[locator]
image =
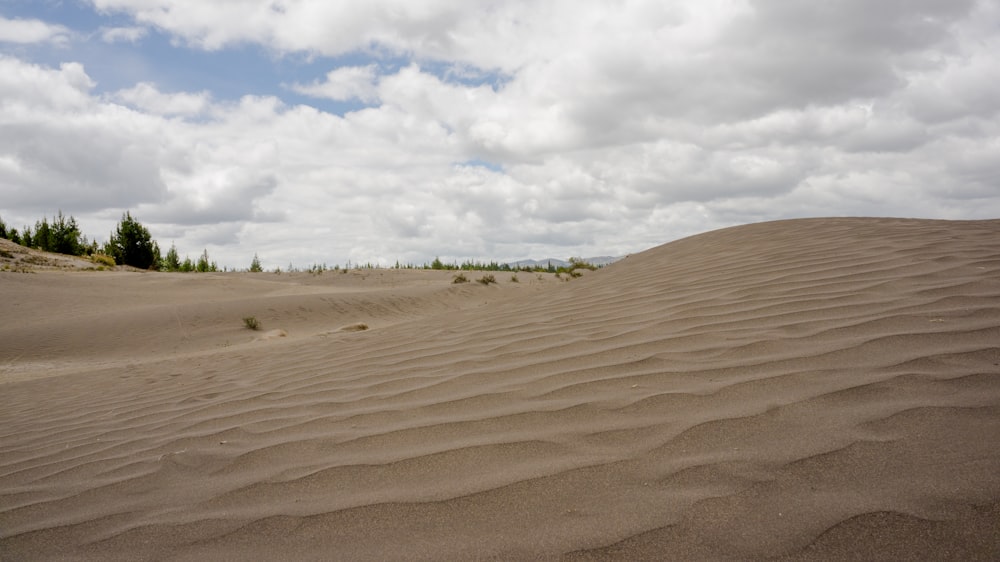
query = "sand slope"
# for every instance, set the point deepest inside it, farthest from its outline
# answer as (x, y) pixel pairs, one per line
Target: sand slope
(809, 389)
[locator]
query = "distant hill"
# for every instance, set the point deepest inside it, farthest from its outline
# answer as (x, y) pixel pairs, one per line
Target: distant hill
(599, 261)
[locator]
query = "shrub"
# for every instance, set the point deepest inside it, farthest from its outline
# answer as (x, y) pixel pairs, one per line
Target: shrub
(251, 323)
(460, 278)
(514, 279)
(487, 279)
(103, 259)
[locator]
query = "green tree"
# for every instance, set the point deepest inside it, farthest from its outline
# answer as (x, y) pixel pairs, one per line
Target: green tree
(187, 266)
(64, 236)
(43, 235)
(203, 264)
(3, 229)
(172, 262)
(157, 256)
(26, 238)
(13, 236)
(255, 265)
(131, 244)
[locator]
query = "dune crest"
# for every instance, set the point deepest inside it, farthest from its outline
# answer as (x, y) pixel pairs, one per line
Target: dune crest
(804, 389)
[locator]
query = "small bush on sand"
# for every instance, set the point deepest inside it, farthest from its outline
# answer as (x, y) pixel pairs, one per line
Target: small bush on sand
(487, 279)
(103, 259)
(460, 278)
(514, 279)
(251, 323)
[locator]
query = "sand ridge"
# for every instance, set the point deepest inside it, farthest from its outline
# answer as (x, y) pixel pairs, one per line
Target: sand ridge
(803, 389)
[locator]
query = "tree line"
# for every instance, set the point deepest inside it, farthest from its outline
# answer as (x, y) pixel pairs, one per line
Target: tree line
(130, 243)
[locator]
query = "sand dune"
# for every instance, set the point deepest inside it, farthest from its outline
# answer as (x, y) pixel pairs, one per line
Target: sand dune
(807, 389)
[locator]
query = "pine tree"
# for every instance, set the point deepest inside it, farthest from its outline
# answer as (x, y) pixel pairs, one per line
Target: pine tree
(64, 236)
(131, 244)
(172, 262)
(43, 235)
(203, 264)
(255, 265)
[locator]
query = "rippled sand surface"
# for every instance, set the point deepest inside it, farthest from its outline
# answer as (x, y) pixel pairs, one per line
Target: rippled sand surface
(806, 389)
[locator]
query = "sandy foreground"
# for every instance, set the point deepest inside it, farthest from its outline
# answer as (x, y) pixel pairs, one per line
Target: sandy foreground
(807, 389)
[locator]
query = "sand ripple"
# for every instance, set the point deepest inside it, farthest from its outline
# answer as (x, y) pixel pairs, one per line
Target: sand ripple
(809, 389)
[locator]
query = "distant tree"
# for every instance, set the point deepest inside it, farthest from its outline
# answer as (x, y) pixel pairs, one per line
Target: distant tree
(26, 238)
(172, 262)
(203, 263)
(131, 244)
(3, 229)
(64, 236)
(157, 256)
(43, 235)
(187, 266)
(437, 264)
(13, 236)
(255, 265)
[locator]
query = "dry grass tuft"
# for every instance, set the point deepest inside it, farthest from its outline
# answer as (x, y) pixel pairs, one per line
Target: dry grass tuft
(102, 259)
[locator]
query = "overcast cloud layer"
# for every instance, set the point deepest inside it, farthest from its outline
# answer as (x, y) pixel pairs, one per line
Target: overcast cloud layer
(491, 129)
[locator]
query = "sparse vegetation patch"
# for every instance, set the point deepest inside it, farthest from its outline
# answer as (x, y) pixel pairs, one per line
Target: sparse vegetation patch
(251, 323)
(103, 259)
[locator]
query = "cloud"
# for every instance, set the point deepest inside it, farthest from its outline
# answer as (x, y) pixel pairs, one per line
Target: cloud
(344, 84)
(603, 131)
(147, 97)
(130, 34)
(63, 146)
(26, 31)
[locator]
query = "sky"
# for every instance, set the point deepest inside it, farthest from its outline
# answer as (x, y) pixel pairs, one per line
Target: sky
(315, 131)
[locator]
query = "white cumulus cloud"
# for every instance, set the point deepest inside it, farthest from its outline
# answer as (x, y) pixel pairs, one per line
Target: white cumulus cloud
(31, 31)
(344, 84)
(508, 129)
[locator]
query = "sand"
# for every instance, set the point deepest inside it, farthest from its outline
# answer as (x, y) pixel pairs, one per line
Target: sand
(793, 390)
